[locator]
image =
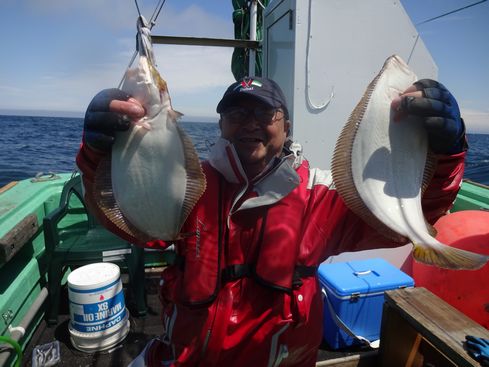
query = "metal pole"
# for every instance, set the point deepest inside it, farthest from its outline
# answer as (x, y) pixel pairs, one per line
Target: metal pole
(252, 52)
(29, 316)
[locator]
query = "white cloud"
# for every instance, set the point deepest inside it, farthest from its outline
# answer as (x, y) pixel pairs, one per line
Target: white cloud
(196, 22)
(476, 121)
(93, 57)
(118, 14)
(194, 68)
(7, 89)
(113, 13)
(192, 72)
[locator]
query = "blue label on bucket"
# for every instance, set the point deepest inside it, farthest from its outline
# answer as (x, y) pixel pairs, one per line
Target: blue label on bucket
(94, 328)
(98, 316)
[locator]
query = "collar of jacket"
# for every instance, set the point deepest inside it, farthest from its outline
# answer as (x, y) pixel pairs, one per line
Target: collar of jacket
(277, 180)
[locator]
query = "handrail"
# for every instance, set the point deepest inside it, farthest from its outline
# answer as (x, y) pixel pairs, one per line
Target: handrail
(475, 183)
(25, 322)
(8, 186)
(51, 220)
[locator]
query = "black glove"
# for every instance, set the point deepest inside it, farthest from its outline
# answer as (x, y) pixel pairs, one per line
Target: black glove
(100, 123)
(446, 129)
(478, 348)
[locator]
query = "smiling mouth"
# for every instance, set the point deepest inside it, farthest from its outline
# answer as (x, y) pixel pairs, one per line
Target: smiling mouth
(250, 140)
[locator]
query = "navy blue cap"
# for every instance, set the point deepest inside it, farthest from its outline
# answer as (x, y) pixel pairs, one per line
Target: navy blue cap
(262, 89)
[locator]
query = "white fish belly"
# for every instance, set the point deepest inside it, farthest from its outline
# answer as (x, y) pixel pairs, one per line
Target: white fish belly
(149, 177)
(388, 168)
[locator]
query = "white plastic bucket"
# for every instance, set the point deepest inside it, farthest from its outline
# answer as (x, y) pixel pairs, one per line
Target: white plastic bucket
(98, 315)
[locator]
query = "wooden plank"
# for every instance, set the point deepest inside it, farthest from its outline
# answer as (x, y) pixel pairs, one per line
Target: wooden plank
(17, 237)
(397, 340)
(8, 186)
(442, 327)
(402, 345)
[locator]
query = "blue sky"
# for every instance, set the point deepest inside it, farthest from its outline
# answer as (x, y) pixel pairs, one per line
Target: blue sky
(57, 54)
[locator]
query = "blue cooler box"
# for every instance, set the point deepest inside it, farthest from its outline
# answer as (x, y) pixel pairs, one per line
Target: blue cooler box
(355, 293)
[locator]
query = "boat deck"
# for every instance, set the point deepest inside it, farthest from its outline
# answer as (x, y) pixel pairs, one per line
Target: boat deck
(142, 330)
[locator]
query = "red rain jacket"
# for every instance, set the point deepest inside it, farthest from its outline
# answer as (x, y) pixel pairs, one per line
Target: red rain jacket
(246, 292)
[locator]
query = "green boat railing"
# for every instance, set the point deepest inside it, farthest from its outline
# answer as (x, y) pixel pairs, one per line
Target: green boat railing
(472, 196)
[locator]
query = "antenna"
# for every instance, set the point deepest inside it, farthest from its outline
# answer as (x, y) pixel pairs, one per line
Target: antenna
(451, 12)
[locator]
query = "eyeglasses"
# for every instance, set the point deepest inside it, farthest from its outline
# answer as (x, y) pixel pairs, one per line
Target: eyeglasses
(264, 115)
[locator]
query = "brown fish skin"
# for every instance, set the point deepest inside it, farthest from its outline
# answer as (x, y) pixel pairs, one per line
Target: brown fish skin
(381, 168)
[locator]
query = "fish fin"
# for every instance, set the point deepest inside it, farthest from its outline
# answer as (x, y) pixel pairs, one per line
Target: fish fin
(448, 257)
(431, 230)
(196, 182)
(106, 203)
(174, 115)
(429, 170)
(341, 166)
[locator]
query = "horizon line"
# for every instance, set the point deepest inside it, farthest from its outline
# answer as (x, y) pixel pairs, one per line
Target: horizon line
(78, 114)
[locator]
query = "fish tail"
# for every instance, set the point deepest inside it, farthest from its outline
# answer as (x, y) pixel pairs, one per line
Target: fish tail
(448, 257)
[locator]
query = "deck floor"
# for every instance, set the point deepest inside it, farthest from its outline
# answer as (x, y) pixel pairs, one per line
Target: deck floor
(142, 330)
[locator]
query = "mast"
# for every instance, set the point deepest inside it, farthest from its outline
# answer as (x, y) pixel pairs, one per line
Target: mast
(253, 18)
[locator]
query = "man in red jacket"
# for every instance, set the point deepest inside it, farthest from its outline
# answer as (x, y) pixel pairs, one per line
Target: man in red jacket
(245, 291)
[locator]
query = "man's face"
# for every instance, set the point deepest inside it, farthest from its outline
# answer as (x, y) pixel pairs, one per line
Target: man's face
(257, 132)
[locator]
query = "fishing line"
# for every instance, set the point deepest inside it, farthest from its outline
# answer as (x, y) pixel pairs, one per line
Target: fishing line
(137, 7)
(451, 12)
(156, 13)
(152, 22)
(412, 49)
(259, 2)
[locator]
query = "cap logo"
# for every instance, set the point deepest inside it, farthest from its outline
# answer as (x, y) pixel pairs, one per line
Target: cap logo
(248, 84)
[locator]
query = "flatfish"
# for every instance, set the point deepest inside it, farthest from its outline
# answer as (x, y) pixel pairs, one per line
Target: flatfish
(152, 179)
(381, 168)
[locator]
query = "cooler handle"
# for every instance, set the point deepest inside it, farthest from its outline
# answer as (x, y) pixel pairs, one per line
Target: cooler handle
(372, 344)
(360, 273)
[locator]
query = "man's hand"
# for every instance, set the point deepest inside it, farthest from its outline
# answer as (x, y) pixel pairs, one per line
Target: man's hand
(431, 100)
(110, 111)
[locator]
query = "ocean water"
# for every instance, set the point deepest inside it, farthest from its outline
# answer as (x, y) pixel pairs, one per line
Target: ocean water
(29, 145)
(477, 160)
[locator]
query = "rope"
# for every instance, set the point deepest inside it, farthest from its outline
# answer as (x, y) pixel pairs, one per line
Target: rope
(152, 22)
(156, 13)
(451, 12)
(16, 346)
(137, 7)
